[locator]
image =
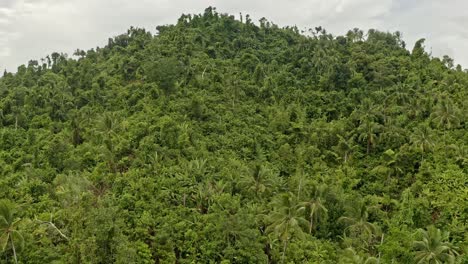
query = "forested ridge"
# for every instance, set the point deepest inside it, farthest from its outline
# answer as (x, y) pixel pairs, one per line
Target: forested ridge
(221, 140)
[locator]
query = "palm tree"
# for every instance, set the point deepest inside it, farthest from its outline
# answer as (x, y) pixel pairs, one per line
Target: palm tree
(391, 165)
(367, 111)
(446, 116)
(358, 224)
(459, 154)
(350, 256)
(108, 127)
(433, 247)
(258, 182)
(323, 61)
(8, 227)
(368, 130)
(422, 139)
(346, 148)
(285, 221)
(314, 207)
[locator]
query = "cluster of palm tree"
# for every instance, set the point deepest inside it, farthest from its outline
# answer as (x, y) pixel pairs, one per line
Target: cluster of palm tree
(294, 218)
(291, 217)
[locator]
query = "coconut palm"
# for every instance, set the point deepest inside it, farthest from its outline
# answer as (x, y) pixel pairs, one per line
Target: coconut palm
(433, 247)
(345, 149)
(460, 154)
(367, 111)
(314, 207)
(108, 127)
(350, 256)
(358, 225)
(446, 114)
(368, 130)
(422, 140)
(258, 181)
(285, 220)
(391, 165)
(8, 227)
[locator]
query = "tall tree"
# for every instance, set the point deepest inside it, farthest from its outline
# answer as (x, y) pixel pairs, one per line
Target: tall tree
(314, 207)
(358, 225)
(368, 131)
(285, 221)
(433, 247)
(9, 228)
(446, 117)
(422, 139)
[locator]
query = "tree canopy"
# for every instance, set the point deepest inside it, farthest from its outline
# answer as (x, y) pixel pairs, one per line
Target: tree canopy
(220, 140)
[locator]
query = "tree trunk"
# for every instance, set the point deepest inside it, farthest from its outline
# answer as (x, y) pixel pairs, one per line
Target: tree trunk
(284, 250)
(14, 250)
(368, 145)
(299, 189)
(311, 224)
(381, 242)
(445, 144)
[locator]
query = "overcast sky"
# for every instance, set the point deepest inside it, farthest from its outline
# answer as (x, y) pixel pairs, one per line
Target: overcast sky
(31, 29)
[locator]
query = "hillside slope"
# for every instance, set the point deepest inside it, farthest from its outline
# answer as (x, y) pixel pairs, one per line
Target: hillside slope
(220, 141)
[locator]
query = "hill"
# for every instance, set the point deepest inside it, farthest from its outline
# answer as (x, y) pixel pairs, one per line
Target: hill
(221, 141)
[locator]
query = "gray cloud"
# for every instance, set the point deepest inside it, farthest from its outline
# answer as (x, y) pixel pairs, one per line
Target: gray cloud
(31, 29)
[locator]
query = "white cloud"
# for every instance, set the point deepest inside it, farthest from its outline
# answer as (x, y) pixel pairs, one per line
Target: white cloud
(31, 29)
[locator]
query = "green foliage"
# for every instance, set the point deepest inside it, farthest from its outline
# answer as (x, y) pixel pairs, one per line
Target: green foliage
(433, 247)
(10, 237)
(220, 141)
